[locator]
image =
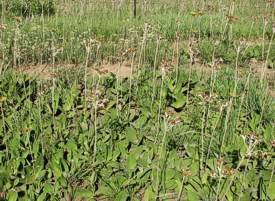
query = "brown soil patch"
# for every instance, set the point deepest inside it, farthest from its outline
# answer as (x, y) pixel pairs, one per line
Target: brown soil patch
(272, 93)
(47, 72)
(40, 71)
(204, 70)
(257, 67)
(260, 69)
(121, 71)
(44, 71)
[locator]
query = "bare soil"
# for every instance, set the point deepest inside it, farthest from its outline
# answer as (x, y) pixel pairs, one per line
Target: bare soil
(48, 72)
(119, 70)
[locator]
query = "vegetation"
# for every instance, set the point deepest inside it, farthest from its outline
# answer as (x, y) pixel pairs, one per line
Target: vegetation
(27, 8)
(193, 120)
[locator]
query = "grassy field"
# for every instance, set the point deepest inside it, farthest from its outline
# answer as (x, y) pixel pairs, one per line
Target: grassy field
(177, 103)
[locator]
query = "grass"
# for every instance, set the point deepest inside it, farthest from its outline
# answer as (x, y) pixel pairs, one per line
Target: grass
(193, 120)
(69, 31)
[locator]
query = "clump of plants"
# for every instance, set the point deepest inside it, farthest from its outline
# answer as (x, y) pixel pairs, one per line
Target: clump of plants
(174, 136)
(28, 8)
(162, 132)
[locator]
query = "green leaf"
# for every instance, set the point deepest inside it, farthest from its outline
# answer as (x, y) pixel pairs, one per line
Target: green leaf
(268, 133)
(16, 181)
(131, 162)
(164, 93)
(12, 195)
(192, 195)
(171, 86)
(170, 173)
(30, 179)
(110, 105)
(256, 118)
(42, 197)
(36, 148)
(48, 188)
(242, 147)
(104, 190)
(229, 195)
(149, 194)
(131, 135)
(205, 176)
(122, 196)
(55, 103)
(170, 185)
(71, 145)
(141, 121)
(56, 169)
(68, 104)
(271, 191)
(81, 193)
(40, 173)
(62, 181)
(180, 101)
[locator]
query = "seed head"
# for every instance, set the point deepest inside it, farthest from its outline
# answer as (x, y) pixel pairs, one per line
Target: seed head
(187, 173)
(3, 26)
(220, 161)
(232, 19)
(18, 19)
(262, 154)
(228, 171)
(2, 194)
(3, 98)
(175, 122)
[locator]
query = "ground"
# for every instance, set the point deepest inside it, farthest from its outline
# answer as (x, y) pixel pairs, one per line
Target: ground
(177, 103)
